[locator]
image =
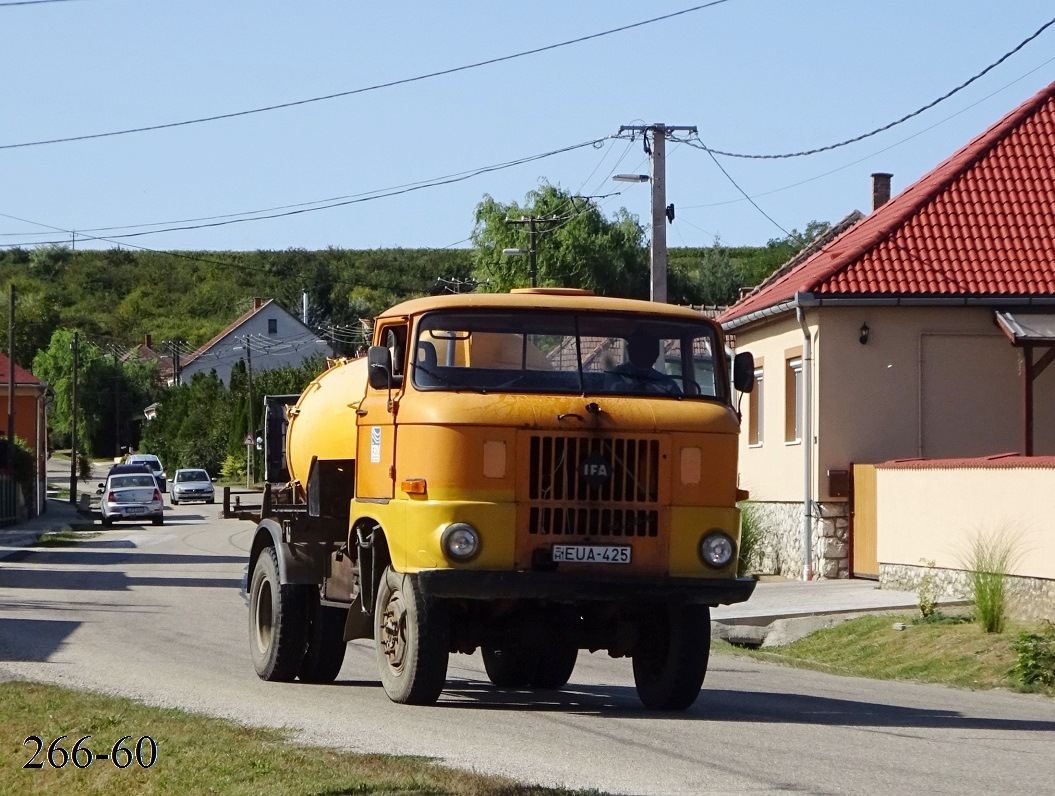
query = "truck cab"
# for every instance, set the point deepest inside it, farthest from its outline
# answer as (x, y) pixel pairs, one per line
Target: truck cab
(529, 475)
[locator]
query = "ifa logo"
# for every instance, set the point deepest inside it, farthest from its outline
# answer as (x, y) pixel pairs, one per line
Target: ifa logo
(595, 470)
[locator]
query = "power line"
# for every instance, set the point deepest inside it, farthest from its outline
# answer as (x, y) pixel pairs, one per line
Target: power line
(376, 87)
(896, 122)
(31, 2)
(367, 196)
(748, 198)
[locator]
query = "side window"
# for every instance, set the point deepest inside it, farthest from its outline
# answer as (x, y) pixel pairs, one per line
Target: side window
(395, 340)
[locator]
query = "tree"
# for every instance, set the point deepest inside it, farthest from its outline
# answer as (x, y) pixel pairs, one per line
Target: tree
(54, 365)
(579, 247)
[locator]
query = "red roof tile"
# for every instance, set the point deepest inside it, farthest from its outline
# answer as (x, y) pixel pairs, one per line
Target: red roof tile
(980, 224)
(998, 461)
(22, 376)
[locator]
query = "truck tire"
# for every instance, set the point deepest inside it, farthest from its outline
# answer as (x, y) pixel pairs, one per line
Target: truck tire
(412, 637)
(554, 667)
(671, 660)
(324, 654)
(277, 621)
(509, 667)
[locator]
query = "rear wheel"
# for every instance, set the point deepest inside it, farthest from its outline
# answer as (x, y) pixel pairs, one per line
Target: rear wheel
(412, 635)
(671, 660)
(554, 667)
(509, 667)
(158, 520)
(324, 654)
(277, 621)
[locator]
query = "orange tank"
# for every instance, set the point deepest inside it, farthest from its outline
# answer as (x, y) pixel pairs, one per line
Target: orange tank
(322, 423)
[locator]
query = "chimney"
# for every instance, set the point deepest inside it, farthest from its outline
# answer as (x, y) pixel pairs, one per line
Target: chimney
(880, 189)
(259, 302)
(147, 341)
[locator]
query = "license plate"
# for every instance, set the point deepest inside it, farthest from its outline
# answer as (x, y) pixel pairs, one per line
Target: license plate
(591, 554)
(136, 510)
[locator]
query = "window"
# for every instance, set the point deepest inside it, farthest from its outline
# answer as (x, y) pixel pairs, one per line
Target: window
(793, 399)
(272, 326)
(756, 409)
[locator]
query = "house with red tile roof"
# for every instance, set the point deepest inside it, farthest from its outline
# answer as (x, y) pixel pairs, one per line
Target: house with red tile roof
(29, 426)
(922, 331)
(264, 337)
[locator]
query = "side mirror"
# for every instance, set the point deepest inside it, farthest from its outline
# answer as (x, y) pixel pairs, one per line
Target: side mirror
(98, 491)
(744, 371)
(101, 486)
(379, 367)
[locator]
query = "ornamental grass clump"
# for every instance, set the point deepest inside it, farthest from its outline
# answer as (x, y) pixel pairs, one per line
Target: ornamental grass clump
(751, 535)
(990, 557)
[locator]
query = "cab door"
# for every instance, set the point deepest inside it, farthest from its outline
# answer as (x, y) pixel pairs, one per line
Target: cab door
(376, 419)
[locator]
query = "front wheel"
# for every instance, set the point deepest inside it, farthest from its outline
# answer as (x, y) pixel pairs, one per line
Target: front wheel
(670, 662)
(412, 635)
(277, 621)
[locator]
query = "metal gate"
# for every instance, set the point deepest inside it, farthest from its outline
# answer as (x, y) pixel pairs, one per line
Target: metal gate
(864, 562)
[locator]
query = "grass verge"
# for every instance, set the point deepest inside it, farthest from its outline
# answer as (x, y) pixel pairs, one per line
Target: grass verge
(65, 538)
(196, 754)
(944, 650)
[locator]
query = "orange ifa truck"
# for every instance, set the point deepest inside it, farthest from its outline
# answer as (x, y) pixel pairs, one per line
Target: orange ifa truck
(530, 475)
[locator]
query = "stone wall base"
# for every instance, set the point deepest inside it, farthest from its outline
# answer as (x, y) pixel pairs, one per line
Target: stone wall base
(1027, 598)
(781, 548)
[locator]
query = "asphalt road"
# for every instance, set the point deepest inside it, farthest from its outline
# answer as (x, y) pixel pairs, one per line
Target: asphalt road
(159, 614)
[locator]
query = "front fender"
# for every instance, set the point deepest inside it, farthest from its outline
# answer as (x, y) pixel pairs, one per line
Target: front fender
(300, 563)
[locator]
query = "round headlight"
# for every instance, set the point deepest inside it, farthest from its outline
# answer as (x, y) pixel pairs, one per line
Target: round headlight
(460, 541)
(717, 549)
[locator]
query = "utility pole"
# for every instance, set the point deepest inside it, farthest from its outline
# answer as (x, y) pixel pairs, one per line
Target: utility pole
(532, 230)
(250, 433)
(117, 407)
(73, 401)
(657, 134)
(11, 387)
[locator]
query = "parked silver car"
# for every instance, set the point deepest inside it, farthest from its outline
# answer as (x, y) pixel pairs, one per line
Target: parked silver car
(130, 496)
(192, 484)
(154, 463)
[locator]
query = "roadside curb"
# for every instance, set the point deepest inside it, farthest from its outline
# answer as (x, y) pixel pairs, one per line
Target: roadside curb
(776, 631)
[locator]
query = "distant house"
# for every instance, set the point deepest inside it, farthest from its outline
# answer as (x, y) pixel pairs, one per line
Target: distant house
(146, 351)
(922, 331)
(265, 337)
(30, 427)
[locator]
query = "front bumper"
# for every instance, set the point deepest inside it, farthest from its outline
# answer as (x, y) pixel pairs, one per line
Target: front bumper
(575, 588)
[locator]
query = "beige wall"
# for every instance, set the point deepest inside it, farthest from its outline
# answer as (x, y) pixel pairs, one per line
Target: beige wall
(934, 514)
(930, 382)
(773, 471)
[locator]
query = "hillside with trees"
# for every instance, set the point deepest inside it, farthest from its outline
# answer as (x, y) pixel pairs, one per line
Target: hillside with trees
(113, 299)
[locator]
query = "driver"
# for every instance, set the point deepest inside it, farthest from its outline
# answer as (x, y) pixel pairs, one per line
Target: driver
(638, 373)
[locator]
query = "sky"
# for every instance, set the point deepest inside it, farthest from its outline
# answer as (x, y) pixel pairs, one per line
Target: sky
(753, 76)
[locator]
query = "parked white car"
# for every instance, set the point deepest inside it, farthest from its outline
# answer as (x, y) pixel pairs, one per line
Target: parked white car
(192, 484)
(130, 496)
(154, 463)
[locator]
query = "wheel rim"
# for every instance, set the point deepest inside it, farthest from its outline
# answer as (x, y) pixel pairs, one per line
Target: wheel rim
(394, 632)
(264, 616)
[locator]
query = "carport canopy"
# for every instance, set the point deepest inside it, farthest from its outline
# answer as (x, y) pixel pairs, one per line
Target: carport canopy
(1029, 330)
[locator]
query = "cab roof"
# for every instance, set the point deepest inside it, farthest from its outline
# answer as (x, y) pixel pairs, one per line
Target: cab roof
(542, 299)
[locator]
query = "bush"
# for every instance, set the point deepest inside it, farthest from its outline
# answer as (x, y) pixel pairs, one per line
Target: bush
(927, 590)
(1036, 658)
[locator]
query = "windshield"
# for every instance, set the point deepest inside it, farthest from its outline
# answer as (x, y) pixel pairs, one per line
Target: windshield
(150, 461)
(192, 475)
(567, 353)
(126, 481)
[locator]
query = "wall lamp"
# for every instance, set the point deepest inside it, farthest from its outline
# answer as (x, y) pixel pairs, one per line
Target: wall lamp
(862, 333)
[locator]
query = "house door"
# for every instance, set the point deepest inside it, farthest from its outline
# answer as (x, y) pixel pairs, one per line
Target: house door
(863, 524)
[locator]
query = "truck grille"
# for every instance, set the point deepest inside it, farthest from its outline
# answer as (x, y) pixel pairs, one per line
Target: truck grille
(566, 501)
